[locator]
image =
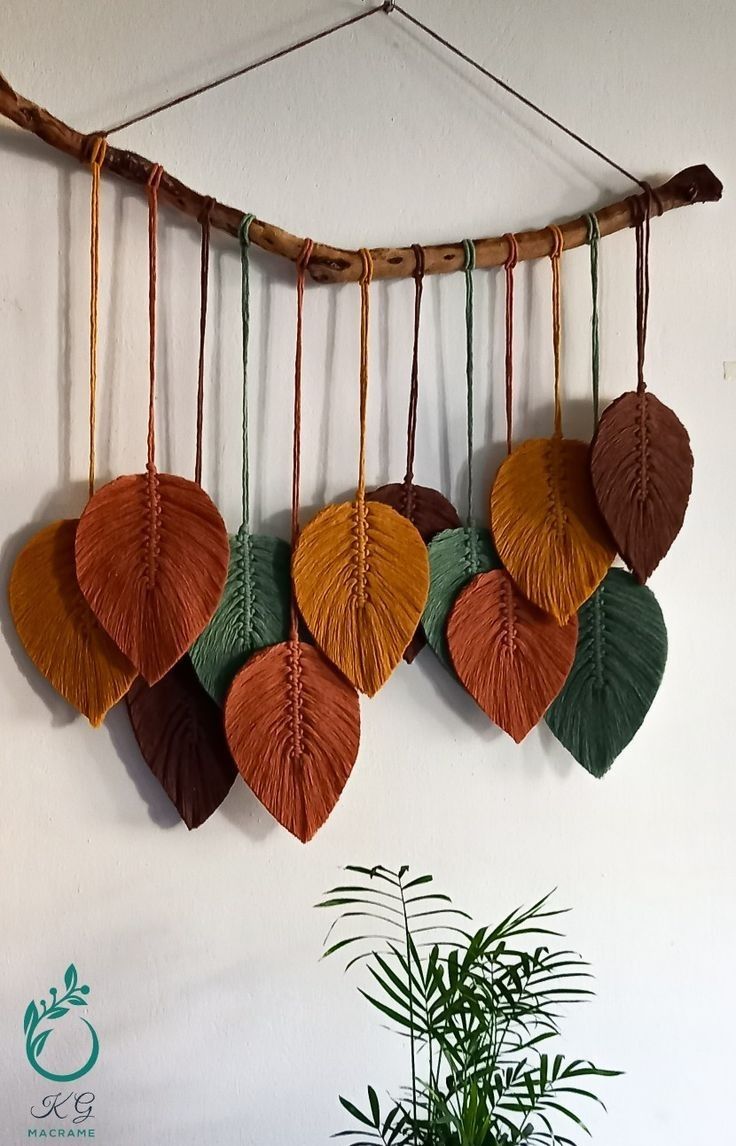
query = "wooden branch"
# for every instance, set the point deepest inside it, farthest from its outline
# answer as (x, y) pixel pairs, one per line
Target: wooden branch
(330, 264)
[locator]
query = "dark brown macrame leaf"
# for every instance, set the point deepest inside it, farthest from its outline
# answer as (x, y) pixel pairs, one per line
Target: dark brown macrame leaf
(293, 726)
(642, 469)
(152, 554)
(180, 734)
(511, 657)
(430, 512)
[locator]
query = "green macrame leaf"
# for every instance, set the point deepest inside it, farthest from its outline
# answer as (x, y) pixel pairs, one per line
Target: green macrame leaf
(455, 556)
(253, 613)
(618, 668)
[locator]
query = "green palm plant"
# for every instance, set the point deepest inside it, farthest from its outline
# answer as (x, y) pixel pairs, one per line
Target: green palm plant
(479, 1010)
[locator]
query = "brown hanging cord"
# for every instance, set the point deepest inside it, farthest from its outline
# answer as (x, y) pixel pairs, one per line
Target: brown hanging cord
(411, 431)
(301, 270)
(365, 302)
(509, 267)
(557, 248)
(204, 274)
(152, 188)
(97, 159)
(642, 211)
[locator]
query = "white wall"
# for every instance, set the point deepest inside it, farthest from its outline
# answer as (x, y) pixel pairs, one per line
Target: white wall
(217, 1022)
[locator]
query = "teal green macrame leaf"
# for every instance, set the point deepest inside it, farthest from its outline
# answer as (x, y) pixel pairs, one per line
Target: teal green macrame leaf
(618, 668)
(254, 611)
(455, 556)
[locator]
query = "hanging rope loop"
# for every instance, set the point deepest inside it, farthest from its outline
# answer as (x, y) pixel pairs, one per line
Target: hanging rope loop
(469, 249)
(594, 237)
(205, 217)
(152, 186)
(411, 428)
(365, 282)
(510, 265)
(301, 267)
(558, 244)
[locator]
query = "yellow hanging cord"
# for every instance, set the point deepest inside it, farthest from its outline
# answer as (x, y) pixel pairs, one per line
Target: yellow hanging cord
(365, 283)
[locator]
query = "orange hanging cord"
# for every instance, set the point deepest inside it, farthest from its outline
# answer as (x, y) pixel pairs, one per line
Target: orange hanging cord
(97, 159)
(152, 188)
(557, 248)
(365, 303)
(301, 270)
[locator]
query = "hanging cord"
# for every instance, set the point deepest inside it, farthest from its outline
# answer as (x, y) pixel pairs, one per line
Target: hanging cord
(244, 236)
(243, 71)
(642, 211)
(301, 270)
(365, 303)
(204, 275)
(509, 267)
(389, 6)
(97, 159)
(558, 244)
(152, 187)
(411, 431)
(594, 236)
(469, 248)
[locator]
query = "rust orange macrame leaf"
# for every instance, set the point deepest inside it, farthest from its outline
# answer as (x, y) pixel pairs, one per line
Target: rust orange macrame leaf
(179, 731)
(293, 726)
(431, 513)
(642, 469)
(58, 629)
(361, 575)
(547, 527)
(152, 554)
(511, 657)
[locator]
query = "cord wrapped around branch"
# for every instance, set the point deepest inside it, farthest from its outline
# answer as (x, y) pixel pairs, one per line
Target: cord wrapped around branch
(331, 264)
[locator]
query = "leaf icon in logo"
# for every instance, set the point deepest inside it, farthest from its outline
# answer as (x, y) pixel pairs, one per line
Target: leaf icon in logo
(70, 977)
(31, 1017)
(39, 1042)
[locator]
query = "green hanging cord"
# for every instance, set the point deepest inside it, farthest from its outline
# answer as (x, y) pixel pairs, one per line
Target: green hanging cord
(244, 236)
(469, 248)
(594, 235)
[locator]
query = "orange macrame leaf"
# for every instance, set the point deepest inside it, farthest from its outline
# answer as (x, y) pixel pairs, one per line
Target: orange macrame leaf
(511, 657)
(59, 631)
(431, 513)
(152, 554)
(642, 469)
(547, 527)
(361, 575)
(293, 726)
(179, 731)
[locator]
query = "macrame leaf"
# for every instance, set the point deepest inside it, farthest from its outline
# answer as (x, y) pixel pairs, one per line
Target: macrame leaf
(361, 575)
(431, 513)
(511, 657)
(455, 557)
(642, 469)
(619, 664)
(254, 611)
(293, 726)
(547, 527)
(59, 631)
(152, 554)
(179, 732)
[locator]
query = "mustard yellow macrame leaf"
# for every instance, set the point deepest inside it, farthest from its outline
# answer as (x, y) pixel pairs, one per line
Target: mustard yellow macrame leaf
(58, 629)
(547, 527)
(361, 576)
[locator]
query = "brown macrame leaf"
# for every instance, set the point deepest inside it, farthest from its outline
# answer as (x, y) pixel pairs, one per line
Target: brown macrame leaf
(293, 726)
(431, 513)
(547, 527)
(180, 734)
(152, 554)
(361, 575)
(511, 657)
(57, 628)
(642, 469)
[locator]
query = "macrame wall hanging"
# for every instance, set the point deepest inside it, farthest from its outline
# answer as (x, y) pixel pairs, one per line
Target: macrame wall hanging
(244, 654)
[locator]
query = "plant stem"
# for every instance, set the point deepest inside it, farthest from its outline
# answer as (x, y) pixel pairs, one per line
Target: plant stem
(412, 1040)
